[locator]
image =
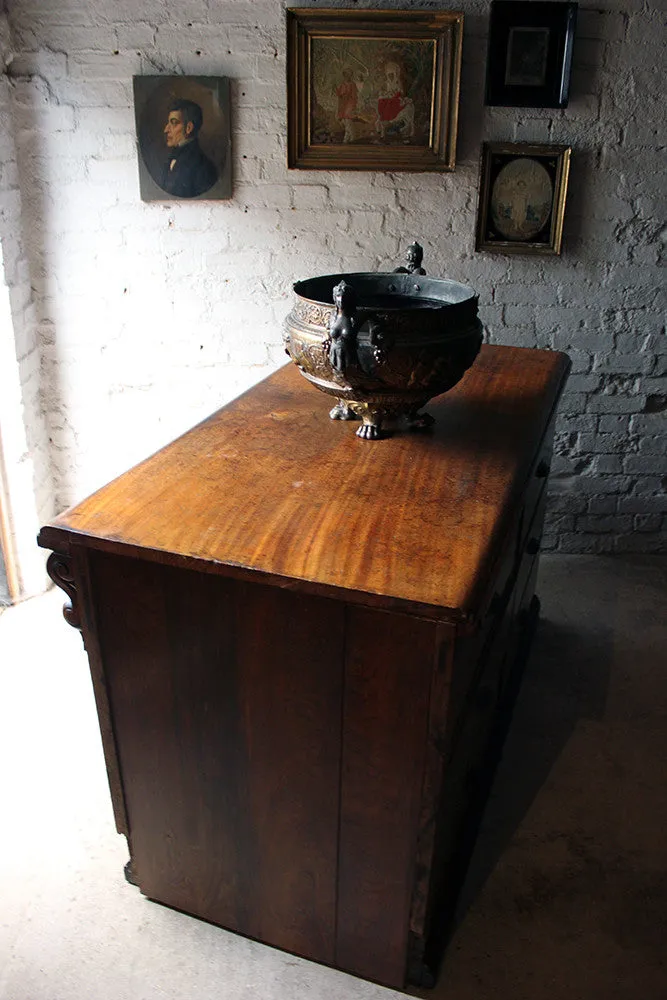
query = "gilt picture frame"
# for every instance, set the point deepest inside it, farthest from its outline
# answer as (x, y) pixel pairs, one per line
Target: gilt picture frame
(529, 57)
(522, 195)
(373, 89)
(183, 137)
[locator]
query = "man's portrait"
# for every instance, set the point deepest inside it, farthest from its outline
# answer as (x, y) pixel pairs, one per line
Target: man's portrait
(183, 137)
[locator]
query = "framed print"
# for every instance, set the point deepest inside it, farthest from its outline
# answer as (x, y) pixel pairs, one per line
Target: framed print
(183, 137)
(373, 89)
(522, 198)
(529, 59)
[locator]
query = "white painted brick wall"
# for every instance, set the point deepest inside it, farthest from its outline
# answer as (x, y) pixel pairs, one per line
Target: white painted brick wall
(24, 451)
(153, 315)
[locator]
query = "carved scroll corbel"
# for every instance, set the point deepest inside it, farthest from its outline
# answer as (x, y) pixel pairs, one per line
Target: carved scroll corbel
(58, 568)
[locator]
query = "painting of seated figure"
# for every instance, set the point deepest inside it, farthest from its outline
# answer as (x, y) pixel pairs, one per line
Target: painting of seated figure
(373, 89)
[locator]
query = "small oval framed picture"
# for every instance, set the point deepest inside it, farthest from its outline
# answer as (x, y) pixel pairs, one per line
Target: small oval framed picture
(183, 137)
(522, 198)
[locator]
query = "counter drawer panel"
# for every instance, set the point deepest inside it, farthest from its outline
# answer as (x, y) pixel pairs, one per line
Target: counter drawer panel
(536, 484)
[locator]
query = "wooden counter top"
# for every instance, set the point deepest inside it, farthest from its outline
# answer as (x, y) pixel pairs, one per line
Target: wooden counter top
(270, 485)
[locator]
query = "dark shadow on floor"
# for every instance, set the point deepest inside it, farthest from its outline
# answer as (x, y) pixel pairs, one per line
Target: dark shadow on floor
(565, 681)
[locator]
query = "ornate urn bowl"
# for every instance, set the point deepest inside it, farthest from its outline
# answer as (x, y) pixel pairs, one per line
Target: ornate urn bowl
(383, 344)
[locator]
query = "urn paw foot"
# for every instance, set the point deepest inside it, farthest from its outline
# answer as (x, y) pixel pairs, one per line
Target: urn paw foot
(369, 432)
(342, 411)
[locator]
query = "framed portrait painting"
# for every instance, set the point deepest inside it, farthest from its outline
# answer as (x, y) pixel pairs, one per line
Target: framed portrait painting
(373, 89)
(183, 137)
(522, 198)
(529, 59)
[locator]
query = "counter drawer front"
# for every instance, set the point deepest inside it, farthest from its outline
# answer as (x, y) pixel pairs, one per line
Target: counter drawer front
(531, 546)
(537, 483)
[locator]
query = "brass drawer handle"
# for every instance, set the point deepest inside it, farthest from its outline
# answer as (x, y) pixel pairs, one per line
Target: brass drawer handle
(543, 469)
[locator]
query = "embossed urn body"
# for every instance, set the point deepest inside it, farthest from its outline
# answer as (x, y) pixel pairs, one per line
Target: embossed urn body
(383, 344)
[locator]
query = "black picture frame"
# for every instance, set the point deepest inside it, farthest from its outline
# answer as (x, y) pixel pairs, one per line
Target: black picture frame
(200, 168)
(529, 59)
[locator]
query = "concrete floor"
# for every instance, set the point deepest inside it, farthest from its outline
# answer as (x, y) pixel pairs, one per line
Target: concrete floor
(567, 894)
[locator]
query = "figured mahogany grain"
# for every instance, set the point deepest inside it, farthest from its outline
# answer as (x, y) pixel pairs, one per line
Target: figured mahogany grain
(270, 484)
(226, 708)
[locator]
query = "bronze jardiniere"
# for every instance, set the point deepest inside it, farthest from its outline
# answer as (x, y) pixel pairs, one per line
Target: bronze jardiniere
(383, 343)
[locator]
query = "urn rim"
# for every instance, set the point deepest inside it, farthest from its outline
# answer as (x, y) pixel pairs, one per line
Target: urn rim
(411, 286)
